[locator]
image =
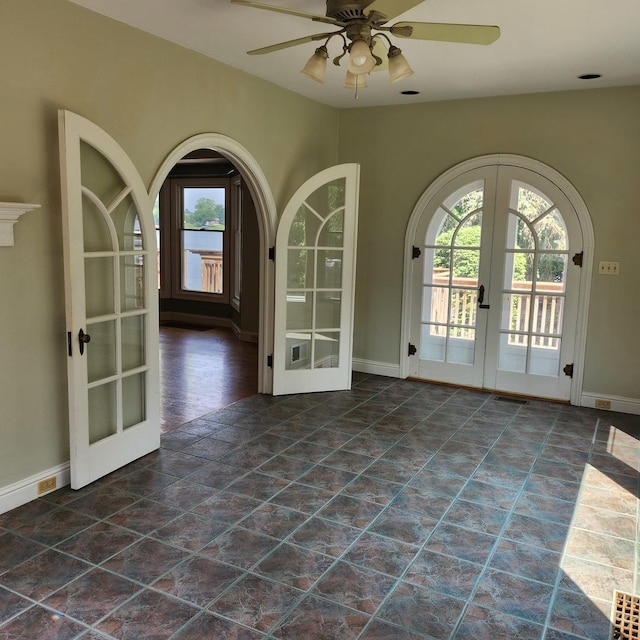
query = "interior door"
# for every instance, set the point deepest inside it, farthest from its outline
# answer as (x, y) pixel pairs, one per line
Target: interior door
(315, 281)
(497, 285)
(111, 301)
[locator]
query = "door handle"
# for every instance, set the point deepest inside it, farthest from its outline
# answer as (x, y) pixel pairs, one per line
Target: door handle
(83, 338)
(481, 298)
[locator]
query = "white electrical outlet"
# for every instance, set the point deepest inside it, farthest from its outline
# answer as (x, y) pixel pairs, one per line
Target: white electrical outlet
(609, 268)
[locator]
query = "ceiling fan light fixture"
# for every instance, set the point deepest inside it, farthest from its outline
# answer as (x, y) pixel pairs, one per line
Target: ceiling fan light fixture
(353, 81)
(398, 66)
(361, 60)
(316, 66)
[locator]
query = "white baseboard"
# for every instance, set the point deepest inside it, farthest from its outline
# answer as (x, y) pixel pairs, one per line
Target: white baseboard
(622, 405)
(376, 368)
(19, 493)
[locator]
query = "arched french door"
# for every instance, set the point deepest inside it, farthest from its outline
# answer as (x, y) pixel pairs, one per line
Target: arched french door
(497, 279)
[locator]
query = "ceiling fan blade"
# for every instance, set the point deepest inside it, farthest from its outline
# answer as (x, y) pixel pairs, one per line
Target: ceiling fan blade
(444, 32)
(392, 8)
(289, 43)
(293, 12)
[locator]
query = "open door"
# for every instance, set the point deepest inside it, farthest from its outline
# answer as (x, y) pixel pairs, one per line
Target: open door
(111, 303)
(315, 282)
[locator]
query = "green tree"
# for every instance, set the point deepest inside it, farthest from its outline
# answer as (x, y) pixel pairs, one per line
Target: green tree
(207, 213)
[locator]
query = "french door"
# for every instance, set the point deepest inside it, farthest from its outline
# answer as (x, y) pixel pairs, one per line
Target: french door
(495, 288)
(315, 281)
(111, 301)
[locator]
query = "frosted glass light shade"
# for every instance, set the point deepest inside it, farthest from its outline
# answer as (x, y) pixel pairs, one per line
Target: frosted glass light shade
(360, 58)
(398, 66)
(353, 81)
(316, 66)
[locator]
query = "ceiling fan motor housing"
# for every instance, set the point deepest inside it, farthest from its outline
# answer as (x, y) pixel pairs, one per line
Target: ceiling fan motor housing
(345, 10)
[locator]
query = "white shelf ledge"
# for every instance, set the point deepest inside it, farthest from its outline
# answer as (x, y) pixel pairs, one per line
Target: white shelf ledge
(10, 212)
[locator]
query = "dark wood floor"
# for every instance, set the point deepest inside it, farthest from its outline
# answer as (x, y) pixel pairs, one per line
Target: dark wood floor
(201, 371)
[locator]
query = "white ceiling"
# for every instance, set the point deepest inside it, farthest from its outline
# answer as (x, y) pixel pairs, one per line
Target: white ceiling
(544, 45)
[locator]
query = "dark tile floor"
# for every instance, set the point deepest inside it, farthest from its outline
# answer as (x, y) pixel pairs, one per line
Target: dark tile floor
(398, 510)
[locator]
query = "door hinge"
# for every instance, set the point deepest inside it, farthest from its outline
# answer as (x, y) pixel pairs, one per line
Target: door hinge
(412, 349)
(415, 253)
(270, 360)
(70, 343)
(577, 259)
(568, 370)
(272, 253)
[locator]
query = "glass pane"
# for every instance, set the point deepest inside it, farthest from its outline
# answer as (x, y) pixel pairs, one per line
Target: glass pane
(465, 266)
(131, 282)
(102, 412)
(94, 228)
(298, 351)
(461, 346)
(99, 286)
(101, 351)
(300, 268)
(552, 269)
(328, 198)
(432, 342)
(133, 400)
(464, 304)
(203, 208)
(329, 269)
(304, 228)
(471, 201)
(531, 204)
(469, 233)
(132, 332)
(328, 309)
(545, 360)
(519, 234)
(518, 271)
(547, 314)
(515, 312)
(299, 310)
(127, 223)
(437, 266)
(99, 175)
(332, 234)
(202, 261)
(327, 349)
(441, 228)
(435, 304)
(552, 232)
(513, 353)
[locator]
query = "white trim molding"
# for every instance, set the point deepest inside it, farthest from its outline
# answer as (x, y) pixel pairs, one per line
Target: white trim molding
(10, 213)
(26, 490)
(617, 403)
(388, 369)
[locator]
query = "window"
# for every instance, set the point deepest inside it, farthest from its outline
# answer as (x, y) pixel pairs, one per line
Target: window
(194, 226)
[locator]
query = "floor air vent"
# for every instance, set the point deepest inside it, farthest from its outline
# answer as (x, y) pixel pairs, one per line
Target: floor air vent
(512, 400)
(626, 617)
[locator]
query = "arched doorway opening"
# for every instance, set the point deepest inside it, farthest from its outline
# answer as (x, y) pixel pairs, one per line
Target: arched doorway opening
(245, 180)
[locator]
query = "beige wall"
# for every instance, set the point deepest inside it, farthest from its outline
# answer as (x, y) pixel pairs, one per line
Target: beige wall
(149, 95)
(591, 137)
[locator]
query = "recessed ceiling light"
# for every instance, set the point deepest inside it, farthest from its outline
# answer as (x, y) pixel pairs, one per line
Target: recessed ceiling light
(590, 76)
(410, 92)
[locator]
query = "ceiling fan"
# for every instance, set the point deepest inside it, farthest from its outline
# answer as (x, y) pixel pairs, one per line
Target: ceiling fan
(362, 26)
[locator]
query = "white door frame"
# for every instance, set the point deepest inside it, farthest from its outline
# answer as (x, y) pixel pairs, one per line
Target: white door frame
(578, 204)
(266, 214)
